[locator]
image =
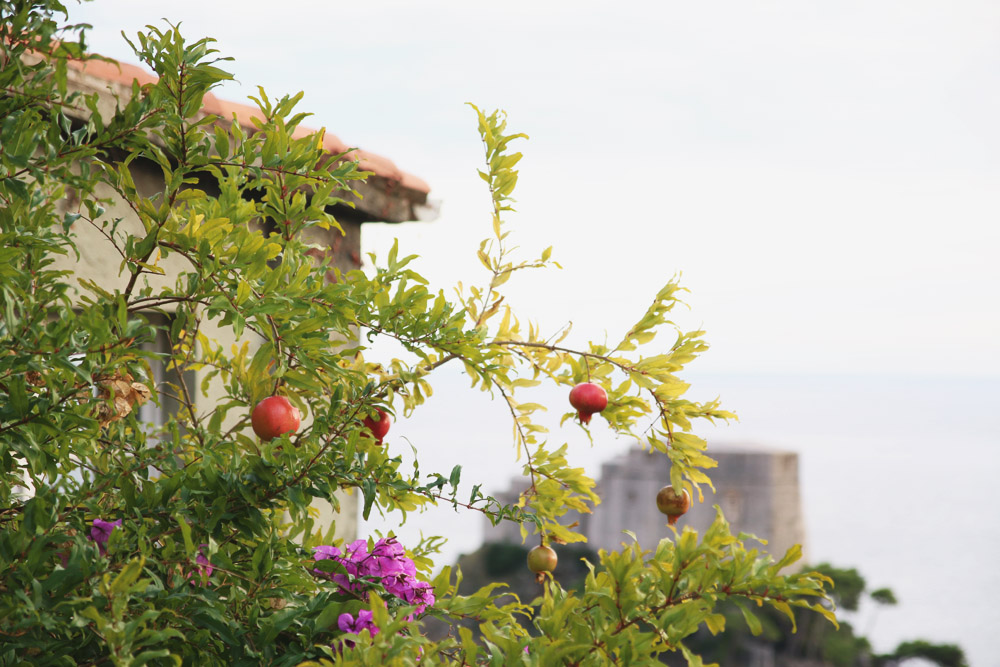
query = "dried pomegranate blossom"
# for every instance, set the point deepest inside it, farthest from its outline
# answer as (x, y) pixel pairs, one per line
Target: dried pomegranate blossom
(385, 564)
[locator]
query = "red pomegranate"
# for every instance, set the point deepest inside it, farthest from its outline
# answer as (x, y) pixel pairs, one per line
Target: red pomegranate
(273, 416)
(379, 426)
(588, 398)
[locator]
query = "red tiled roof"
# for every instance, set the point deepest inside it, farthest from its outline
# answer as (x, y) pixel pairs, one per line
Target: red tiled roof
(124, 74)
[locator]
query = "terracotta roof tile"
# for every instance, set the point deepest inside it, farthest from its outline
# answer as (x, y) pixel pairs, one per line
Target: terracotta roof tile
(124, 74)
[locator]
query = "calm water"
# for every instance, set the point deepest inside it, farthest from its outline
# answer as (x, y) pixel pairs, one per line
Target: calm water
(897, 480)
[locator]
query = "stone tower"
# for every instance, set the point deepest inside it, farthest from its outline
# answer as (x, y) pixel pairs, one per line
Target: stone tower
(757, 489)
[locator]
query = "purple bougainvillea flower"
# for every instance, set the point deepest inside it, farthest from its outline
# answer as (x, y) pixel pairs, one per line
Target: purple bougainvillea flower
(348, 623)
(203, 566)
(386, 564)
(101, 531)
(325, 552)
(345, 622)
(347, 560)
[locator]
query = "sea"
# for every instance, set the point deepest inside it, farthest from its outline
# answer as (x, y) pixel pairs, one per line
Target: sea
(897, 478)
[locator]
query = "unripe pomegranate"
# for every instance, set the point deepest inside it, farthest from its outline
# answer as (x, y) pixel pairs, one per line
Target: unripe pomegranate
(378, 426)
(588, 398)
(673, 504)
(542, 559)
(273, 416)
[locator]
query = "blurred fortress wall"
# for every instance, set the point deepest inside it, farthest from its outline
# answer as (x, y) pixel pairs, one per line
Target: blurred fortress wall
(756, 488)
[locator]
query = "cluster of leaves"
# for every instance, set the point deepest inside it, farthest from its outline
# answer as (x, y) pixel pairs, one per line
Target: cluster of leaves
(218, 253)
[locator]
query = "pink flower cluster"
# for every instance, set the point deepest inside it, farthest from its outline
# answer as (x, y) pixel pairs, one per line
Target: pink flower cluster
(385, 564)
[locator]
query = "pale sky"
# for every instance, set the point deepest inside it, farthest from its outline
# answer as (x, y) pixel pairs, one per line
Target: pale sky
(824, 175)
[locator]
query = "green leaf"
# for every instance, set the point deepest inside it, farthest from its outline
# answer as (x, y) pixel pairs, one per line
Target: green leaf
(185, 533)
(328, 616)
(752, 621)
(369, 490)
(18, 397)
(715, 623)
(128, 576)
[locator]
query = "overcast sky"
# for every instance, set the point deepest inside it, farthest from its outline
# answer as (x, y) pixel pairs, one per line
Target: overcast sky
(824, 175)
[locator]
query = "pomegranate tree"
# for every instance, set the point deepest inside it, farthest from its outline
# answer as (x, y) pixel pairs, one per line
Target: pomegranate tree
(226, 528)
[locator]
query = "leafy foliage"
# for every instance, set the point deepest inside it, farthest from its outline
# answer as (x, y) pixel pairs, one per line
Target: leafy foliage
(945, 655)
(848, 585)
(817, 643)
(191, 541)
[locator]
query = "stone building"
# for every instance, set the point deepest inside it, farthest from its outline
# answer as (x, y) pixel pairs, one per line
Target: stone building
(757, 489)
(389, 195)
